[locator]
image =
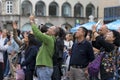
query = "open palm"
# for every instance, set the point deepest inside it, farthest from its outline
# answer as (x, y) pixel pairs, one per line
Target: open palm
(14, 25)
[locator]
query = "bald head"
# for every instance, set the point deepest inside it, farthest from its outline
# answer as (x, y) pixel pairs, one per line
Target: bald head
(103, 27)
(103, 30)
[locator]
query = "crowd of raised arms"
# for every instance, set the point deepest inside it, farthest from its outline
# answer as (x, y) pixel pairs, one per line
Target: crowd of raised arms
(53, 53)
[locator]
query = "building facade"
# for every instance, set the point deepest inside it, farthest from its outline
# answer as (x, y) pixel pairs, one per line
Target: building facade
(51, 12)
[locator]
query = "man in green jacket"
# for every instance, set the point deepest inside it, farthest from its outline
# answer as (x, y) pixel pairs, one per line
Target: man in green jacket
(44, 60)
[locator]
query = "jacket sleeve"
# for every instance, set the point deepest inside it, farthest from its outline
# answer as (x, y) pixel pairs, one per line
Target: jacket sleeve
(103, 44)
(32, 54)
(19, 42)
(41, 36)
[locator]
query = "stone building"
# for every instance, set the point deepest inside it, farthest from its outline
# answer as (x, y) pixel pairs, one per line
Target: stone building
(51, 12)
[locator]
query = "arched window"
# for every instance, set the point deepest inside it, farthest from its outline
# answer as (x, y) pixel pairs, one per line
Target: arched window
(78, 10)
(40, 9)
(53, 9)
(26, 8)
(66, 10)
(90, 10)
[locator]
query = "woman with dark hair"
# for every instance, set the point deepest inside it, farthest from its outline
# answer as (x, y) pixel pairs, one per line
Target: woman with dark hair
(27, 56)
(30, 57)
(109, 45)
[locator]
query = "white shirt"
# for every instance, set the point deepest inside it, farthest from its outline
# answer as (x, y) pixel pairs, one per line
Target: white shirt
(68, 44)
(2, 47)
(67, 62)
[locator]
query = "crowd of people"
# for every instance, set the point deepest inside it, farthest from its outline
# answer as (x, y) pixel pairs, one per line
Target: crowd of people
(52, 53)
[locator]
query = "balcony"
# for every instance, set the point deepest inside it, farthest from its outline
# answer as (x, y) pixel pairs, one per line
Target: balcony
(9, 18)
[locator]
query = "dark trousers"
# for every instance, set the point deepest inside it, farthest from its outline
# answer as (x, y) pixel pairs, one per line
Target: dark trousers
(28, 75)
(94, 78)
(56, 73)
(1, 70)
(6, 64)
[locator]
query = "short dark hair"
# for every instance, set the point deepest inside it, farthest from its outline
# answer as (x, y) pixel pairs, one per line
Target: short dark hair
(32, 40)
(44, 28)
(61, 33)
(18, 32)
(85, 30)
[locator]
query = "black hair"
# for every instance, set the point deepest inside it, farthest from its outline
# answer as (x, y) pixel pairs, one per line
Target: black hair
(61, 33)
(116, 34)
(32, 40)
(74, 38)
(85, 30)
(44, 28)
(90, 33)
(8, 36)
(18, 32)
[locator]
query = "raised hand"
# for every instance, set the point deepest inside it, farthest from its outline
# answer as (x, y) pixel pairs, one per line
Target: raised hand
(14, 25)
(94, 27)
(32, 19)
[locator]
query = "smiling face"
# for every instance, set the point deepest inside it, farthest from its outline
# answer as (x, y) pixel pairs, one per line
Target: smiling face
(110, 37)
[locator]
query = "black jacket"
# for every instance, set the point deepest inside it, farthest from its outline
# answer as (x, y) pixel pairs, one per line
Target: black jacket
(30, 58)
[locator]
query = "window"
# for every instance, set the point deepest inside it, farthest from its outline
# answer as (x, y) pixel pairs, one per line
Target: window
(40, 9)
(111, 13)
(9, 7)
(53, 9)
(66, 10)
(78, 9)
(26, 8)
(90, 10)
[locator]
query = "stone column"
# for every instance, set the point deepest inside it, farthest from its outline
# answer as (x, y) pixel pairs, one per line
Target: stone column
(47, 10)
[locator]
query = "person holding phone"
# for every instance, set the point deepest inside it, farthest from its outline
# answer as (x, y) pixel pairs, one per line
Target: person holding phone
(44, 61)
(108, 43)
